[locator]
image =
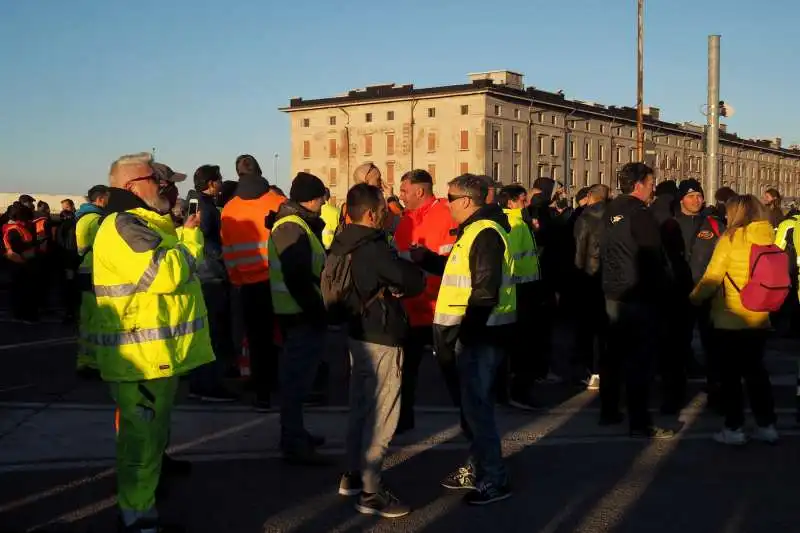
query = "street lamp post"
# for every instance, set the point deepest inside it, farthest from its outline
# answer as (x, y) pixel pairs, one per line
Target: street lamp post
(275, 170)
(640, 82)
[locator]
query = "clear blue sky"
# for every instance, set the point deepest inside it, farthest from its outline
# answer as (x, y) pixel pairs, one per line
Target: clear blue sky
(84, 81)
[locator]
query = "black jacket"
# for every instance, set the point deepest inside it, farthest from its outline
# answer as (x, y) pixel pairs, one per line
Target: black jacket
(294, 250)
(376, 268)
(663, 208)
(587, 233)
(212, 268)
(633, 265)
(486, 266)
(251, 187)
(689, 242)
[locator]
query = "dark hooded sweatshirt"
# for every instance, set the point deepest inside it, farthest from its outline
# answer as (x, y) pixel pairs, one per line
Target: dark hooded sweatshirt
(294, 250)
(375, 267)
(486, 259)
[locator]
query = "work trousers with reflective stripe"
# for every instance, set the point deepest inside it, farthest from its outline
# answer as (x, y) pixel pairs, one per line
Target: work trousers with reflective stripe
(86, 355)
(145, 409)
(259, 325)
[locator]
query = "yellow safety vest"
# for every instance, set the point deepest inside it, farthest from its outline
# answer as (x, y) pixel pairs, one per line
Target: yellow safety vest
(523, 248)
(85, 233)
(282, 300)
(456, 287)
(151, 320)
(330, 215)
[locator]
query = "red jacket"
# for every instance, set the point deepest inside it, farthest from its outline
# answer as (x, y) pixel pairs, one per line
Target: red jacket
(428, 226)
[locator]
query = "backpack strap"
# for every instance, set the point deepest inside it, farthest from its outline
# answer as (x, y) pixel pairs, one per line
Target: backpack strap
(714, 226)
(732, 282)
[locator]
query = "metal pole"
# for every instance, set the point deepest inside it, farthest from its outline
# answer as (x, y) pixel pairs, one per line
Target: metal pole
(640, 83)
(276, 170)
(712, 129)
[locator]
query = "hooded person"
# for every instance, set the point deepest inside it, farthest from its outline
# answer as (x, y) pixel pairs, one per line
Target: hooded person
(663, 207)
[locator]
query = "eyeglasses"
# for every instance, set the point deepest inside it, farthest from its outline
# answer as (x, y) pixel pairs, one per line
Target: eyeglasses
(453, 197)
(151, 177)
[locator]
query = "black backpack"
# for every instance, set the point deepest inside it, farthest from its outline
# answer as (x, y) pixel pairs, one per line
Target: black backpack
(338, 289)
(67, 242)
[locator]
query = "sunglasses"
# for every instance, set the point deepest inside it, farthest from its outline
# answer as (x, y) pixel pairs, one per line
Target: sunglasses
(151, 177)
(453, 197)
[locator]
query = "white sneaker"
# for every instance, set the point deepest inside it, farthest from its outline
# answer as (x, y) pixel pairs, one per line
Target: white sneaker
(766, 434)
(594, 382)
(731, 437)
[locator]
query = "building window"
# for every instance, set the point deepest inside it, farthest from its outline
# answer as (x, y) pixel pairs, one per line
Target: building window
(602, 128)
(515, 140)
(463, 168)
(306, 149)
(601, 176)
(307, 170)
(498, 111)
(464, 140)
(368, 117)
(658, 159)
(431, 142)
(390, 144)
(432, 171)
(367, 144)
(554, 173)
(431, 112)
(666, 161)
(633, 133)
(572, 149)
(390, 115)
(554, 120)
(619, 154)
(571, 124)
(541, 172)
(332, 121)
(496, 170)
(496, 139)
(572, 177)
(541, 117)
(588, 150)
(588, 126)
(332, 177)
(306, 122)
(515, 173)
(602, 152)
(390, 172)
(585, 178)
(465, 110)
(542, 141)
(332, 148)
(553, 146)
(633, 155)
(517, 114)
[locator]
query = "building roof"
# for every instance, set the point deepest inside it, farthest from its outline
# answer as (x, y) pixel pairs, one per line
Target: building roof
(530, 96)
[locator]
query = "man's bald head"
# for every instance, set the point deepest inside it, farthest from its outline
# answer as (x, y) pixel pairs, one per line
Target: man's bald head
(368, 173)
(130, 167)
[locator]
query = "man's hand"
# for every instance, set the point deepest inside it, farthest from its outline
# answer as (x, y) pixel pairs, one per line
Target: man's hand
(418, 253)
(192, 221)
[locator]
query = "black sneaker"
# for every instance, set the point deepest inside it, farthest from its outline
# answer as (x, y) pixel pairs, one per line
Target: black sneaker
(213, 396)
(350, 484)
(382, 503)
(487, 493)
(653, 433)
(461, 479)
(175, 467)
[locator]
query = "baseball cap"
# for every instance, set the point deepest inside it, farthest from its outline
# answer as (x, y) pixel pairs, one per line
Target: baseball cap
(167, 174)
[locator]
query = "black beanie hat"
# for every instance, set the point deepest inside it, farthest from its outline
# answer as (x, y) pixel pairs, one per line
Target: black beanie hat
(689, 186)
(306, 187)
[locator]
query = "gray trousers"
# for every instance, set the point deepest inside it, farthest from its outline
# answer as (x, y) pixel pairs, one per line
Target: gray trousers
(303, 346)
(375, 377)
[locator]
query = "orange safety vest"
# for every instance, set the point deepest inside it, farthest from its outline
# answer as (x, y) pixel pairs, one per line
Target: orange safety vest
(40, 224)
(245, 236)
(26, 236)
(430, 226)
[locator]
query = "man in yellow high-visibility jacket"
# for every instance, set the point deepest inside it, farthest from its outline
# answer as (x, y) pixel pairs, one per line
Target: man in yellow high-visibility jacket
(150, 326)
(330, 215)
(474, 316)
(89, 217)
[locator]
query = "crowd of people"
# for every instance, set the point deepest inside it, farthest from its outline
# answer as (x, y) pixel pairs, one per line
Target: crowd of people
(478, 277)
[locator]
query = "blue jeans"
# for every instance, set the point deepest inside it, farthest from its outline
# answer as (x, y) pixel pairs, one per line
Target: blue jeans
(303, 347)
(477, 368)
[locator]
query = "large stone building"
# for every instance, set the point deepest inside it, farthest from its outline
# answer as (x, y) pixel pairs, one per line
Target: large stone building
(495, 125)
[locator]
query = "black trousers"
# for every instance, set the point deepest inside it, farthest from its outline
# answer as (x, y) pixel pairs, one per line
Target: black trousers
(544, 308)
(413, 352)
(632, 344)
(521, 354)
(259, 327)
(592, 327)
(740, 354)
(217, 295)
(24, 291)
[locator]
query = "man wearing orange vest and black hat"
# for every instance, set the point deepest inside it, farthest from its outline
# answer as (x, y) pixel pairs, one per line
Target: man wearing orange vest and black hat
(19, 245)
(426, 222)
(244, 251)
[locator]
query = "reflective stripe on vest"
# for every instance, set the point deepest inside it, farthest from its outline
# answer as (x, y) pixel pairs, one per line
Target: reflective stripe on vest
(456, 286)
(140, 336)
(27, 238)
(282, 300)
(147, 278)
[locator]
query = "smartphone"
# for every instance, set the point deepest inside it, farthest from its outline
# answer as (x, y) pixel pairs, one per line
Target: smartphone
(194, 206)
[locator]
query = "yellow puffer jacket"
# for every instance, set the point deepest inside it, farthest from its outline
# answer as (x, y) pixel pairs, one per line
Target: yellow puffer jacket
(732, 257)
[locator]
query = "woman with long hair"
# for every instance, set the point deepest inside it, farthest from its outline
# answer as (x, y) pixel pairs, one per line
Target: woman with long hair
(772, 199)
(740, 335)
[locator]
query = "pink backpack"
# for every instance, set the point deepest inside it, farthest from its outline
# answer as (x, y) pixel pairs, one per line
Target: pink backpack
(769, 282)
